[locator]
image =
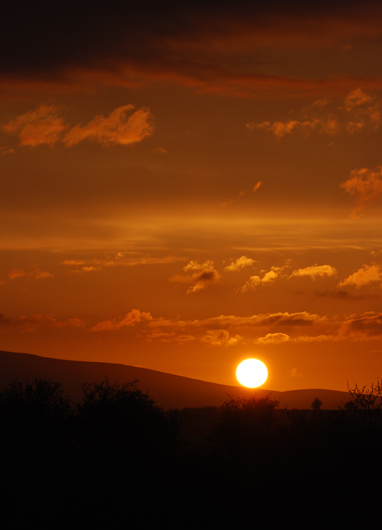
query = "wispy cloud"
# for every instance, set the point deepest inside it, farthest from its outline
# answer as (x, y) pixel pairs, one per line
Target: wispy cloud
(130, 319)
(45, 126)
(41, 126)
(364, 327)
(117, 128)
(36, 274)
(220, 337)
(240, 195)
(30, 323)
(257, 186)
(280, 129)
(366, 185)
(358, 111)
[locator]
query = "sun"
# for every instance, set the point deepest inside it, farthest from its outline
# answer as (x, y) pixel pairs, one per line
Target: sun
(251, 373)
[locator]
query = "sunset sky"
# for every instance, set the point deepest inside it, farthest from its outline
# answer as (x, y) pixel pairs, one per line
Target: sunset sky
(185, 185)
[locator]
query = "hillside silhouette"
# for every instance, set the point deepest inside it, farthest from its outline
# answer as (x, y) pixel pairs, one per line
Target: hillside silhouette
(167, 390)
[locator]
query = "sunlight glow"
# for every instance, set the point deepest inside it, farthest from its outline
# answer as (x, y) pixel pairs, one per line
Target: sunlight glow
(251, 373)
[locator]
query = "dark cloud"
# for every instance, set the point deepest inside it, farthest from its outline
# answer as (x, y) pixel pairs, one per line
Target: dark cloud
(368, 325)
(285, 319)
(44, 39)
(5, 321)
(344, 295)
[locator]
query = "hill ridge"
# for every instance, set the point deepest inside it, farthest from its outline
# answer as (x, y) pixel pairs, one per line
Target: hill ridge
(168, 390)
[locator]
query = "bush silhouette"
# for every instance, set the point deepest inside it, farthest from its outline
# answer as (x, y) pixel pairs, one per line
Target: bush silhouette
(33, 411)
(244, 426)
(122, 419)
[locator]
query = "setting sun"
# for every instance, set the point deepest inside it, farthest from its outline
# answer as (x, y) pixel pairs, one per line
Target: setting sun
(251, 373)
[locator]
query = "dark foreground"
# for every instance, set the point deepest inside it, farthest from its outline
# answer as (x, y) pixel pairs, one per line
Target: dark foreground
(115, 453)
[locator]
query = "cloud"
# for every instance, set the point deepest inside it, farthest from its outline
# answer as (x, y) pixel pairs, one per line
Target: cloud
(315, 271)
(294, 373)
(44, 126)
(229, 330)
(355, 99)
(5, 150)
(240, 264)
(230, 201)
(358, 111)
(135, 316)
(117, 128)
(37, 274)
(364, 276)
(301, 318)
(367, 326)
(220, 337)
(48, 321)
(164, 336)
(128, 259)
(280, 129)
(204, 276)
(41, 126)
(273, 338)
(192, 45)
(290, 319)
(31, 323)
(257, 186)
(344, 295)
(195, 266)
(73, 262)
(366, 185)
(254, 281)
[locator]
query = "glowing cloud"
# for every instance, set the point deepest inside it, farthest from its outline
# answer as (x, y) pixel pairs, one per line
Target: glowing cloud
(195, 266)
(365, 275)
(366, 185)
(273, 338)
(315, 271)
(37, 274)
(44, 126)
(239, 264)
(220, 337)
(130, 319)
(356, 98)
(41, 126)
(254, 281)
(257, 186)
(359, 110)
(204, 276)
(117, 128)
(280, 129)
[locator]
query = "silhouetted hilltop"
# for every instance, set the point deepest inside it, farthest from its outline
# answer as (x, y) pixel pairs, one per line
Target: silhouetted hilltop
(169, 391)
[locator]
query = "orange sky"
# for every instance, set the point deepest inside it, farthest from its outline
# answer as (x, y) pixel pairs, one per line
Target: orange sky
(183, 188)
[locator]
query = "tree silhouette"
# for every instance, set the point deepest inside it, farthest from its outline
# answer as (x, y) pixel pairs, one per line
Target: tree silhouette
(316, 404)
(121, 418)
(244, 425)
(366, 397)
(34, 410)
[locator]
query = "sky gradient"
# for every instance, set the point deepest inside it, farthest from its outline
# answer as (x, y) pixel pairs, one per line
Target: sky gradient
(183, 187)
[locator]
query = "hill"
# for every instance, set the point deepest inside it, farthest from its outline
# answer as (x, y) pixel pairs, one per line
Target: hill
(168, 390)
